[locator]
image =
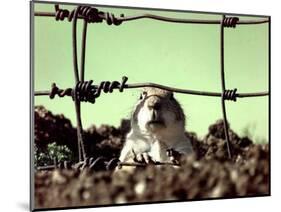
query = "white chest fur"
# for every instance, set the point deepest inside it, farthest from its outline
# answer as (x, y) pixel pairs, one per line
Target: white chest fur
(156, 147)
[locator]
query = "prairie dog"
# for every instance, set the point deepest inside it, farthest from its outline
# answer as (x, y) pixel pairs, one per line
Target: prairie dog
(157, 124)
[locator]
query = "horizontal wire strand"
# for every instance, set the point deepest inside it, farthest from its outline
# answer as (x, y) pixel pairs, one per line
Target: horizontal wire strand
(162, 18)
(172, 89)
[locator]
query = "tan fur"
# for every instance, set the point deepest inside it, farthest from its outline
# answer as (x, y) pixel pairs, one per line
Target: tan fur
(157, 124)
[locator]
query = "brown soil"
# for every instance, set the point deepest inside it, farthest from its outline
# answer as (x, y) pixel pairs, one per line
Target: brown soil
(208, 173)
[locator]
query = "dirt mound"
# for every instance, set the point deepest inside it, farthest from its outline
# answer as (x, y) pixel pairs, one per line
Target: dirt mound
(195, 179)
(104, 141)
(51, 128)
(208, 173)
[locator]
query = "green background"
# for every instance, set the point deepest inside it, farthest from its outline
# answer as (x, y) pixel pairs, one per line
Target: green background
(177, 55)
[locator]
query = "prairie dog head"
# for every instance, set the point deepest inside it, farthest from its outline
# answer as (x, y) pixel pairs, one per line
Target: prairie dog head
(157, 111)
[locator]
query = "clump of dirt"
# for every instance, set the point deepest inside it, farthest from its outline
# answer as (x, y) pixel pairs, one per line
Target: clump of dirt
(51, 128)
(208, 173)
(104, 141)
(214, 145)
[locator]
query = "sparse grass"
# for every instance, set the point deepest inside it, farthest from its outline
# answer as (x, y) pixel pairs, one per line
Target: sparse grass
(54, 152)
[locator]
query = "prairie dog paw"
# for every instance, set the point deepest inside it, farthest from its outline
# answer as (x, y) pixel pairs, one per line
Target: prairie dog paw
(143, 158)
(173, 155)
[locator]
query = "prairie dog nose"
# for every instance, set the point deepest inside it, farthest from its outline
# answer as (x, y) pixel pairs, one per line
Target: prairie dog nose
(153, 103)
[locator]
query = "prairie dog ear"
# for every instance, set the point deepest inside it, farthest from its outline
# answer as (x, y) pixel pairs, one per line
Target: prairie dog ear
(140, 94)
(143, 94)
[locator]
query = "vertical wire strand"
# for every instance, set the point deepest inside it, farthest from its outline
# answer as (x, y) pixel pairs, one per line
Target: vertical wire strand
(74, 44)
(81, 154)
(75, 67)
(83, 51)
(223, 87)
(82, 76)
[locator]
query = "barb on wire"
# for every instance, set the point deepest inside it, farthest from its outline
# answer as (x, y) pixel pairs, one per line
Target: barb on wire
(85, 91)
(230, 21)
(230, 95)
(88, 13)
(60, 92)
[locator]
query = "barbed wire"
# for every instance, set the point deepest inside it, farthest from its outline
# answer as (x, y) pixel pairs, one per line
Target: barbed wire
(86, 91)
(229, 94)
(110, 18)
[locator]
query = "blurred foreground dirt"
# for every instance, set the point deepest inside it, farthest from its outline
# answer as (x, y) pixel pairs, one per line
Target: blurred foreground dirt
(208, 173)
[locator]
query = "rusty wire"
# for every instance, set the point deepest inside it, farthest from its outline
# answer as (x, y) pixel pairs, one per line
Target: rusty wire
(61, 14)
(228, 94)
(225, 123)
(86, 91)
(81, 146)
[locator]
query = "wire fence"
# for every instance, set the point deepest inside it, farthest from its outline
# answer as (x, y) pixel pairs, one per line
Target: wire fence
(86, 91)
